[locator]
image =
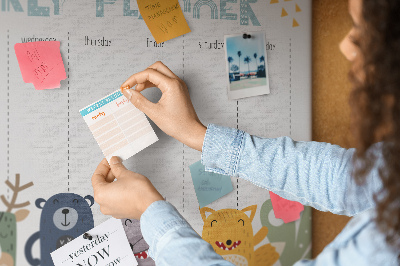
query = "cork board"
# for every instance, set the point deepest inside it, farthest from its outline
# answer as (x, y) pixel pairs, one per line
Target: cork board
(330, 97)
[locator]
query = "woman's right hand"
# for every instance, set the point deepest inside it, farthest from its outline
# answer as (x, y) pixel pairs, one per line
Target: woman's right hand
(174, 112)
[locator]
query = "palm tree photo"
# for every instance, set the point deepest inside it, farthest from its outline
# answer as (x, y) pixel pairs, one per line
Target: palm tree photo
(255, 60)
(262, 59)
(239, 53)
(247, 60)
(230, 60)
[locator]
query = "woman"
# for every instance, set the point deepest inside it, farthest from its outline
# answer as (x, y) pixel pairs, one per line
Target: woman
(362, 182)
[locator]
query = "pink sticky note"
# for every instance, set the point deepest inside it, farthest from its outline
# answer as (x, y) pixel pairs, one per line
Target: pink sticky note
(286, 210)
(41, 64)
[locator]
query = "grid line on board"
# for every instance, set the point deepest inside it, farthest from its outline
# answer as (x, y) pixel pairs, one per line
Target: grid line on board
(237, 179)
(290, 87)
(183, 145)
(68, 108)
(8, 111)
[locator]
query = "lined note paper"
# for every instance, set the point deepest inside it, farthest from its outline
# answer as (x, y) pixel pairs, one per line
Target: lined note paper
(118, 126)
(41, 64)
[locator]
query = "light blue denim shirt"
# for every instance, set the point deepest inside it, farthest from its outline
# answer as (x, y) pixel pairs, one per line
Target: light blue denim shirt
(312, 173)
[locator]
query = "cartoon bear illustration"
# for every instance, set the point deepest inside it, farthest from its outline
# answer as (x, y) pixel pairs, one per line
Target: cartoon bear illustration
(65, 216)
(138, 244)
(230, 233)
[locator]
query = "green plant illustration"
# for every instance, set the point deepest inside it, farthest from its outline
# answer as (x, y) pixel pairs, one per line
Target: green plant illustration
(8, 222)
(294, 237)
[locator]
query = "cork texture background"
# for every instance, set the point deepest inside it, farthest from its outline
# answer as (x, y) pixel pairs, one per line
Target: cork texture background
(331, 89)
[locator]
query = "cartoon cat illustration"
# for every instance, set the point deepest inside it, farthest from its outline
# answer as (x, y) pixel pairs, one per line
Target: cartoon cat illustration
(230, 233)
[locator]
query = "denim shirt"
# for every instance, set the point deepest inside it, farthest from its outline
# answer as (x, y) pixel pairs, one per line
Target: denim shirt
(312, 173)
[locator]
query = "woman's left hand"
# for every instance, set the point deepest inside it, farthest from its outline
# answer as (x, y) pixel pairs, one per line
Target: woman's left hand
(127, 197)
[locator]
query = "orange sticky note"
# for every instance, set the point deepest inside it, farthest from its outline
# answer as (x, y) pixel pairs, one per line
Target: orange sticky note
(41, 64)
(284, 209)
(164, 18)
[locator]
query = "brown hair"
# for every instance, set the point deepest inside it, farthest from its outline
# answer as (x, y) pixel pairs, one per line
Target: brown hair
(375, 103)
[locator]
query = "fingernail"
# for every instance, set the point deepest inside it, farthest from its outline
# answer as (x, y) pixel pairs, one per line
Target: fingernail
(127, 93)
(115, 160)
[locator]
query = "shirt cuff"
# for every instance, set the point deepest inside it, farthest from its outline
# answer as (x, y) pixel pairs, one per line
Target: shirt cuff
(157, 220)
(222, 148)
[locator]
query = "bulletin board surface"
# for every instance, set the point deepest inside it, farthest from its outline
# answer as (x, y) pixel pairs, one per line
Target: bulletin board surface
(331, 90)
(44, 139)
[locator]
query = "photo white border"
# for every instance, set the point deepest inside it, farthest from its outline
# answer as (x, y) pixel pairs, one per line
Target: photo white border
(248, 92)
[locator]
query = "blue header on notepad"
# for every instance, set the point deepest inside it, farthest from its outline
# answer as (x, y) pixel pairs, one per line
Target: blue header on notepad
(100, 103)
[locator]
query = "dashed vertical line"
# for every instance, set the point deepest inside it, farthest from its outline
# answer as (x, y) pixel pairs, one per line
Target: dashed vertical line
(68, 108)
(183, 145)
(8, 111)
(237, 179)
(290, 87)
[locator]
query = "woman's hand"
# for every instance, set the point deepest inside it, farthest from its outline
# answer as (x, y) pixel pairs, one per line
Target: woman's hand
(174, 112)
(127, 197)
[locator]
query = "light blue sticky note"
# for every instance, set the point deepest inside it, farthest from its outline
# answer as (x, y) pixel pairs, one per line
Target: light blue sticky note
(209, 186)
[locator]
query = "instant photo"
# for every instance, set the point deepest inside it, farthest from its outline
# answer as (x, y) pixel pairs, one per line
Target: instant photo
(246, 63)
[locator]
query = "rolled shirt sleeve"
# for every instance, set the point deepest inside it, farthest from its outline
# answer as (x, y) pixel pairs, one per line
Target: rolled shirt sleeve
(313, 173)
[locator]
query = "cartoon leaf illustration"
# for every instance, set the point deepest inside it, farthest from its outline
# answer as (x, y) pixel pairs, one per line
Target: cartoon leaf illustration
(20, 215)
(8, 222)
(296, 235)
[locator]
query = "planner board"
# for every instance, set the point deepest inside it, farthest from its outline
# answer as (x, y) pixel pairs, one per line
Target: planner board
(45, 140)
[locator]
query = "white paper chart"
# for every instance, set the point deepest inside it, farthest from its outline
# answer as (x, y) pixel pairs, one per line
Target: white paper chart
(118, 126)
(45, 140)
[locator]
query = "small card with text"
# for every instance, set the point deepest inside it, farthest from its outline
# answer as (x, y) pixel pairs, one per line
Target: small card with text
(108, 247)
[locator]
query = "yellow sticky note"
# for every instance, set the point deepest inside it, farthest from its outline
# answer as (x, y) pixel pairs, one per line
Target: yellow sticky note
(164, 18)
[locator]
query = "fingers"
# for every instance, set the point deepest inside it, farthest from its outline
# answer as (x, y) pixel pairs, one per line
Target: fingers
(159, 80)
(100, 174)
(142, 86)
(140, 102)
(110, 177)
(118, 169)
(160, 67)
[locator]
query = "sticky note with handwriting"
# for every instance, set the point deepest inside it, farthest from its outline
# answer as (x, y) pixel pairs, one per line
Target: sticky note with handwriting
(41, 64)
(108, 246)
(284, 209)
(209, 186)
(164, 18)
(118, 126)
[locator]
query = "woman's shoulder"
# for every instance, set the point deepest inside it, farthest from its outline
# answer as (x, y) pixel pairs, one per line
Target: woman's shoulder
(362, 240)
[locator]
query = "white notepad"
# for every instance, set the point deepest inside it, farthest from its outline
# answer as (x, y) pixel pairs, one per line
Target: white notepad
(118, 126)
(108, 246)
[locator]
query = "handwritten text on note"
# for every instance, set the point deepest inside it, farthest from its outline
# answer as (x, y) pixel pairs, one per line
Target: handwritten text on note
(41, 64)
(164, 18)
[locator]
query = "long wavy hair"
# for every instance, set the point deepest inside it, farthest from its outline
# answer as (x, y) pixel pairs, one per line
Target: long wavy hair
(375, 103)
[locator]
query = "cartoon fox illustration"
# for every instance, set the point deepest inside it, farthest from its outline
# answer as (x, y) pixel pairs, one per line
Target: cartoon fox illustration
(230, 233)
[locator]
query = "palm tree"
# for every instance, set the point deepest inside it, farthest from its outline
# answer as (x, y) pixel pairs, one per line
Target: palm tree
(255, 57)
(234, 68)
(230, 60)
(262, 59)
(247, 60)
(239, 54)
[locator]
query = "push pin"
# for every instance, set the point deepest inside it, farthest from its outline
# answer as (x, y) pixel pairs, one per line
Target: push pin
(246, 36)
(125, 88)
(87, 236)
